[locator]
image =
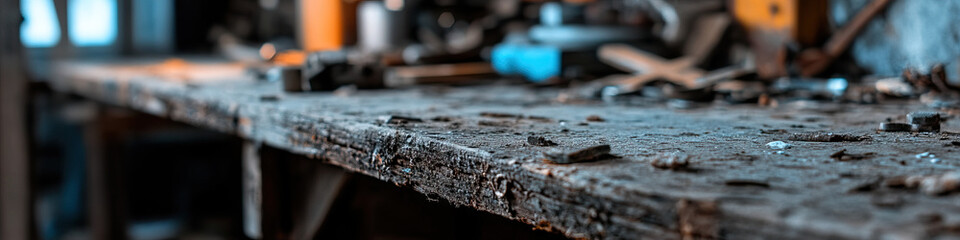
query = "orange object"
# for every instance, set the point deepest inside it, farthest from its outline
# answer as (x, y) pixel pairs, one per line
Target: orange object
(766, 14)
(326, 24)
(803, 21)
(773, 24)
(290, 58)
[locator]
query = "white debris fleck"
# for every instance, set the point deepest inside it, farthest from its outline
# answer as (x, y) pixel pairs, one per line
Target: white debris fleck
(779, 145)
(922, 155)
(674, 160)
(935, 160)
(895, 86)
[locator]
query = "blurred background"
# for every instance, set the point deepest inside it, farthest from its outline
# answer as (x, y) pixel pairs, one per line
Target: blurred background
(179, 182)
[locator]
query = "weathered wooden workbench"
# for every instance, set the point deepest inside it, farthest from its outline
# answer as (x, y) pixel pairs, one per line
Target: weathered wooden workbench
(469, 146)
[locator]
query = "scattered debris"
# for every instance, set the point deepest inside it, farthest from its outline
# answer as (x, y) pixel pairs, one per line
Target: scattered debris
(746, 183)
(926, 128)
(671, 160)
(779, 145)
(773, 131)
(269, 98)
(441, 119)
(924, 117)
(539, 118)
(842, 155)
(895, 127)
(494, 123)
(595, 118)
(394, 119)
(925, 121)
(514, 116)
(826, 137)
(587, 154)
(500, 115)
(540, 141)
(936, 184)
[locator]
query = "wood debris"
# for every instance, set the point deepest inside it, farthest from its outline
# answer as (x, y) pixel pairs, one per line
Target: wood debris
(540, 141)
(826, 137)
(672, 160)
(587, 154)
(500, 115)
(395, 119)
(747, 183)
(842, 155)
(595, 118)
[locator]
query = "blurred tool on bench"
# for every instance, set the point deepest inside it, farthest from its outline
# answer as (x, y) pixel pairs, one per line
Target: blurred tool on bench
(601, 49)
(681, 71)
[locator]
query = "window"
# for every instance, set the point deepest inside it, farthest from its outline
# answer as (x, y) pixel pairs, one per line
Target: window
(92, 23)
(39, 28)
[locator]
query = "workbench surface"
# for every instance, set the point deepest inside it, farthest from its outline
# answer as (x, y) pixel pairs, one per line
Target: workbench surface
(469, 146)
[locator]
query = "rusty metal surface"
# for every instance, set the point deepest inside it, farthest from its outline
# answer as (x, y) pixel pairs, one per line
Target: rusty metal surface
(471, 146)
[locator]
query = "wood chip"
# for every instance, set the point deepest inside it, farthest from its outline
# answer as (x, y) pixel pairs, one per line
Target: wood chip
(895, 127)
(540, 141)
(394, 119)
(587, 154)
(500, 115)
(842, 155)
(595, 118)
(747, 183)
(826, 137)
(924, 118)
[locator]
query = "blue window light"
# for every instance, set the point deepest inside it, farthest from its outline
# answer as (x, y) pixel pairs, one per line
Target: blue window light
(40, 27)
(92, 23)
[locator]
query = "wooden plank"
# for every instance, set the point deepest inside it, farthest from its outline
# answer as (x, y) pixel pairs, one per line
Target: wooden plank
(252, 188)
(274, 180)
(275, 220)
(105, 195)
(16, 218)
(320, 185)
(469, 147)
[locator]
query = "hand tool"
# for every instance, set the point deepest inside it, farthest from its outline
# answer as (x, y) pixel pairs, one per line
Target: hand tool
(451, 74)
(539, 62)
(681, 71)
(328, 70)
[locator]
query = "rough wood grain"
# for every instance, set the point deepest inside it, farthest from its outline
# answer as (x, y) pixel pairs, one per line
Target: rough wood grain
(470, 148)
